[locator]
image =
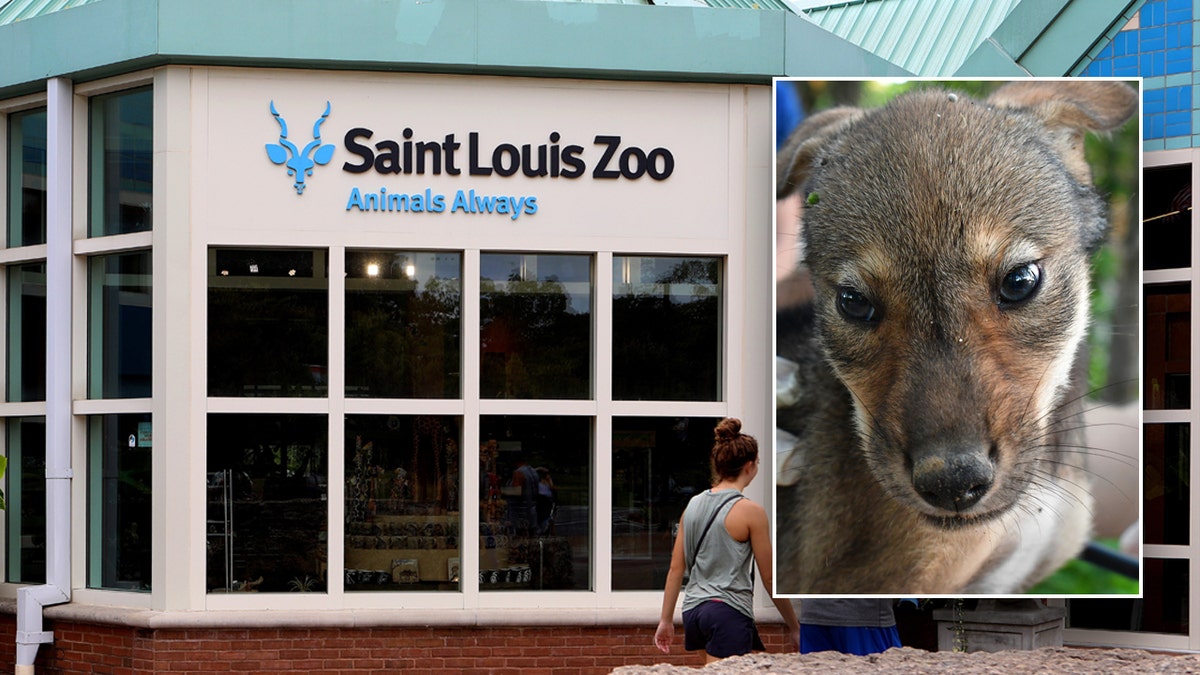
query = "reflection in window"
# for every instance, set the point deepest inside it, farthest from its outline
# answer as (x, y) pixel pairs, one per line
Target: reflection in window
(27, 332)
(1167, 341)
(267, 489)
(27, 178)
(1167, 483)
(119, 325)
(658, 465)
(535, 503)
(122, 172)
(119, 506)
(402, 503)
(403, 324)
(666, 328)
(268, 322)
(25, 490)
(1167, 206)
(1162, 609)
(535, 326)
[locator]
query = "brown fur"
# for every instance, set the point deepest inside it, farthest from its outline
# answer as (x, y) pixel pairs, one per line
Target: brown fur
(924, 206)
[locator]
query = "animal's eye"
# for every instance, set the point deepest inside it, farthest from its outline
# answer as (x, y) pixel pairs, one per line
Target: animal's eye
(1020, 283)
(855, 306)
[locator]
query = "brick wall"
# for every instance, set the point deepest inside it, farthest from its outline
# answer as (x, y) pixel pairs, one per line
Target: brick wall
(91, 649)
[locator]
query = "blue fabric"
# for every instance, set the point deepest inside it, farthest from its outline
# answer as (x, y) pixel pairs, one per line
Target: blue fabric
(856, 640)
(788, 112)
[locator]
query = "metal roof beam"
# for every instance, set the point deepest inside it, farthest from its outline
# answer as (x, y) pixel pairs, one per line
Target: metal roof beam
(1046, 38)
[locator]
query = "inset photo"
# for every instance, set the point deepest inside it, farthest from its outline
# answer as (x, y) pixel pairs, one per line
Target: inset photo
(958, 365)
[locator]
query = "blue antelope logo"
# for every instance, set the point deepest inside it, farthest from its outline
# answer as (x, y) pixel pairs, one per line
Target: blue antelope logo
(299, 162)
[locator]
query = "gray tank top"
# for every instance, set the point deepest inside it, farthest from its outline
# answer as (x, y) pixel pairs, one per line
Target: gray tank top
(721, 569)
(854, 612)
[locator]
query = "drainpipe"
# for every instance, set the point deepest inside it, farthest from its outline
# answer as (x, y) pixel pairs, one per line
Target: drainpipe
(57, 589)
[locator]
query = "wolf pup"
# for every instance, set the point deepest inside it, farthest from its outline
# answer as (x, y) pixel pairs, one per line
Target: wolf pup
(948, 241)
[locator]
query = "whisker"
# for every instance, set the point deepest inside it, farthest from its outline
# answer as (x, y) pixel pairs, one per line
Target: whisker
(1099, 476)
(1098, 453)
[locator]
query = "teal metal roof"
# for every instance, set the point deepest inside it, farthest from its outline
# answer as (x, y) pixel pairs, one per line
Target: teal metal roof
(697, 40)
(103, 38)
(926, 37)
(750, 4)
(19, 10)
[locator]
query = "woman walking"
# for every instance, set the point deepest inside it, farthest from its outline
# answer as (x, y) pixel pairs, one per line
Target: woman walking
(719, 532)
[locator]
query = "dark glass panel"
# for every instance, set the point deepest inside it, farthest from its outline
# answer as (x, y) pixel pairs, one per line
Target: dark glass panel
(268, 322)
(403, 324)
(535, 326)
(535, 503)
(119, 510)
(121, 174)
(27, 332)
(267, 502)
(658, 465)
(27, 178)
(25, 492)
(1167, 341)
(666, 328)
(119, 328)
(403, 519)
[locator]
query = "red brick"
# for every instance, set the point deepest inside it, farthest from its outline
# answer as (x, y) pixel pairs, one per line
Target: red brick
(565, 650)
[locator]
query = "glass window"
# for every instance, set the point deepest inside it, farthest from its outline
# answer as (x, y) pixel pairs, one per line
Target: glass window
(27, 178)
(25, 489)
(1167, 205)
(403, 324)
(658, 465)
(119, 325)
(666, 328)
(1163, 607)
(1167, 341)
(535, 502)
(119, 478)
(267, 510)
(402, 503)
(27, 332)
(535, 326)
(1167, 483)
(121, 172)
(268, 322)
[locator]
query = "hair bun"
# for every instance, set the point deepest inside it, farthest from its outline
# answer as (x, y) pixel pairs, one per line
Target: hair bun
(728, 428)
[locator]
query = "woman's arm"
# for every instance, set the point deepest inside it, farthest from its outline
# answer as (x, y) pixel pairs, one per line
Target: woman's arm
(755, 518)
(666, 620)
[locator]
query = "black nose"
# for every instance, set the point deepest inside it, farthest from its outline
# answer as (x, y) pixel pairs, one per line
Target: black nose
(953, 481)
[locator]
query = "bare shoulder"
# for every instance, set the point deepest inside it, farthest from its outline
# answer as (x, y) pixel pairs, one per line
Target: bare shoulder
(749, 510)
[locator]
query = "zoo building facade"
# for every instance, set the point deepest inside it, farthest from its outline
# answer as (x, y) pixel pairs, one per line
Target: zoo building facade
(294, 307)
(323, 321)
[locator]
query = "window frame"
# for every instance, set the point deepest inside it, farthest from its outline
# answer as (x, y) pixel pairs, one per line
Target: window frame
(85, 246)
(599, 409)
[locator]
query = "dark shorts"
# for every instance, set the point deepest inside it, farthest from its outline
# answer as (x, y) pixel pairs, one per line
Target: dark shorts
(719, 630)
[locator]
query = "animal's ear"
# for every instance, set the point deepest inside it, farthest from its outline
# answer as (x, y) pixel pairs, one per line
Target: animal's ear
(794, 159)
(277, 153)
(323, 154)
(1070, 109)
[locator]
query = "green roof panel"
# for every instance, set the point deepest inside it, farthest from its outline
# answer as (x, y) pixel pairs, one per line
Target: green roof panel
(19, 10)
(925, 37)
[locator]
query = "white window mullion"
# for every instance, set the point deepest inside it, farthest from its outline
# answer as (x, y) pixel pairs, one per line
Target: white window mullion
(469, 491)
(335, 378)
(602, 513)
